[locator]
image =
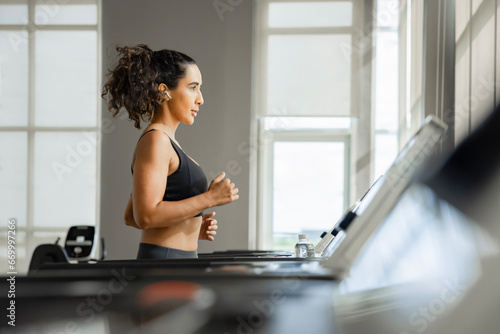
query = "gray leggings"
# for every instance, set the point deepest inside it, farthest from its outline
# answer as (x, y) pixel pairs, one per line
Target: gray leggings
(150, 251)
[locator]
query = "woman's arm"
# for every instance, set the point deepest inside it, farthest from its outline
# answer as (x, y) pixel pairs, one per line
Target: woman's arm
(129, 215)
(151, 167)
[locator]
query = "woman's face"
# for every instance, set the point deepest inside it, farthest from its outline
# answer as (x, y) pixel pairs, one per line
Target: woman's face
(187, 98)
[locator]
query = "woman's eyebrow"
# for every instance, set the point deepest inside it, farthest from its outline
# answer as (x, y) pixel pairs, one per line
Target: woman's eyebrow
(194, 83)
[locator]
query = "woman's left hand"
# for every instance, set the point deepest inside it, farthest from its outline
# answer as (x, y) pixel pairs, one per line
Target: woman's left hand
(208, 227)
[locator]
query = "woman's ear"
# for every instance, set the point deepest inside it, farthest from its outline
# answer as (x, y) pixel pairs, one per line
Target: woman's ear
(163, 91)
(162, 88)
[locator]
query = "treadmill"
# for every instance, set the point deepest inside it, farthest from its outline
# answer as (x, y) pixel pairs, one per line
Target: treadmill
(335, 252)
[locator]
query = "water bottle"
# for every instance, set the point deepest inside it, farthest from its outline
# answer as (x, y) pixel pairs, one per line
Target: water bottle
(304, 248)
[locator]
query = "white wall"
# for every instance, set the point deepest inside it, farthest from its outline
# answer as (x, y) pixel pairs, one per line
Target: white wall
(221, 44)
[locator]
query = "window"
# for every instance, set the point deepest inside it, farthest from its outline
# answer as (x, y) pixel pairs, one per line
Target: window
(309, 110)
(49, 112)
(386, 88)
(303, 117)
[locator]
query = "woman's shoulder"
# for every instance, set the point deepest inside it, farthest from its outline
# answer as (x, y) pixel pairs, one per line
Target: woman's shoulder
(154, 141)
(153, 135)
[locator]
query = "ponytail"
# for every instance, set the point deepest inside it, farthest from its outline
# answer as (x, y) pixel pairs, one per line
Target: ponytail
(133, 83)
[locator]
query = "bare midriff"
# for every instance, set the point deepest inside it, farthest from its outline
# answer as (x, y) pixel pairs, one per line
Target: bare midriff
(182, 236)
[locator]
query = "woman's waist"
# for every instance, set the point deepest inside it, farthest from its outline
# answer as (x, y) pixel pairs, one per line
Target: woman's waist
(181, 236)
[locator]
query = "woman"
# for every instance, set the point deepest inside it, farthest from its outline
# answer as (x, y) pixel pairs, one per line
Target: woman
(169, 188)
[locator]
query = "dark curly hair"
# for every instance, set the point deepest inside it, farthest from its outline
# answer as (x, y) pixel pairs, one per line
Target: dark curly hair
(133, 83)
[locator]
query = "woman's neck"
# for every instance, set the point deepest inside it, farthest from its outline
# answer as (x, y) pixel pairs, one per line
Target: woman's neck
(165, 123)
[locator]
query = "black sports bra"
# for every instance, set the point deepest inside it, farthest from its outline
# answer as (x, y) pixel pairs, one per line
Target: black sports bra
(187, 181)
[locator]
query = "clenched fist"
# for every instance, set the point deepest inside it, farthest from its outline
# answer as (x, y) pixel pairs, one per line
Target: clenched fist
(222, 191)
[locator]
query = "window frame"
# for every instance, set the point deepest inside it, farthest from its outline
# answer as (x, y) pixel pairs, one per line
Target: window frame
(260, 56)
(261, 162)
(266, 170)
(30, 129)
